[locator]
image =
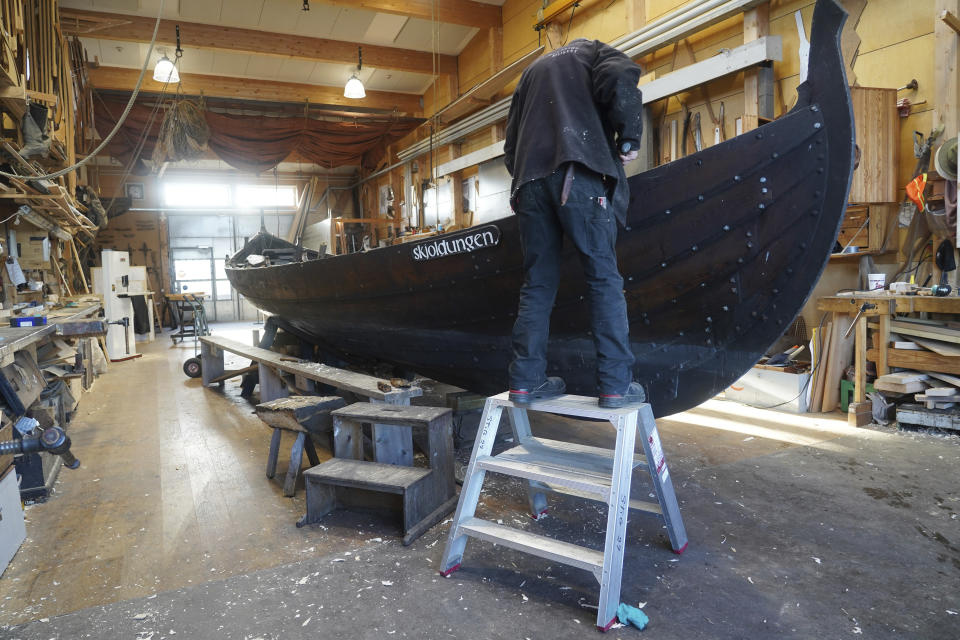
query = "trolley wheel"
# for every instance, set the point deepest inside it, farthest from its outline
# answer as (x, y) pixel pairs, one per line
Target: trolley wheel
(192, 367)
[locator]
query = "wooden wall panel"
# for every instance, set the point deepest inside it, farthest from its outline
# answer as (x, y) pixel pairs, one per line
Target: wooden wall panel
(877, 125)
(890, 67)
(518, 34)
(474, 65)
(877, 30)
(946, 80)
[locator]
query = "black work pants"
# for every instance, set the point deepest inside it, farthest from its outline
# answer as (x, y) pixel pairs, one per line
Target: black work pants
(588, 221)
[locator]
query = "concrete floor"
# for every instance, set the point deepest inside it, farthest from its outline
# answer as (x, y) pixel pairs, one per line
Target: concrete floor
(799, 527)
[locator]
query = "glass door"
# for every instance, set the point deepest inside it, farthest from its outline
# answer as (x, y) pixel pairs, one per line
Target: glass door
(197, 271)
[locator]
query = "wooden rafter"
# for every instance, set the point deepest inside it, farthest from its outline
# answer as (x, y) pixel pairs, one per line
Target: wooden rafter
(127, 28)
(119, 79)
(85, 25)
(465, 12)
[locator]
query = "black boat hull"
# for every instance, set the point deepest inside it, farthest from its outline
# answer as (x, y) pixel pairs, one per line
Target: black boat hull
(720, 252)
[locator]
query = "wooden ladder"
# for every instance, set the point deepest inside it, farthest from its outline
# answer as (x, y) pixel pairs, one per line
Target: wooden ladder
(563, 467)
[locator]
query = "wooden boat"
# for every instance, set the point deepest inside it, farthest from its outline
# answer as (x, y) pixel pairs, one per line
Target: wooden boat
(720, 252)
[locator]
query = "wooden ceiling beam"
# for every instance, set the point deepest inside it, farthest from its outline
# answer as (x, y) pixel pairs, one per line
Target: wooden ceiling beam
(128, 28)
(463, 12)
(120, 79)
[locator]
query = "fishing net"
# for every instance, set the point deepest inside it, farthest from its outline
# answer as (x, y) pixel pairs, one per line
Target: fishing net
(184, 133)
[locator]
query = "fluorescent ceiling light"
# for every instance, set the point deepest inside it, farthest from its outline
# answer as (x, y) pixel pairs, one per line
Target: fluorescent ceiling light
(165, 71)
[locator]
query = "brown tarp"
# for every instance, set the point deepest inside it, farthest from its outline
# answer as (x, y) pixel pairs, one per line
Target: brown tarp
(258, 143)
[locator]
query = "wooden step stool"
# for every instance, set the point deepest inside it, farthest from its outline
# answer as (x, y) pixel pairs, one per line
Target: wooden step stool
(308, 417)
(562, 467)
(426, 494)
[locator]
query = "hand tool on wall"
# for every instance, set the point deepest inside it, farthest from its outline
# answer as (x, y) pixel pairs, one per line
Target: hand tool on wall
(718, 129)
(697, 134)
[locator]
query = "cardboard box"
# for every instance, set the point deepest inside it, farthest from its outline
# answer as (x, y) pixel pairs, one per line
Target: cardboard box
(768, 389)
(33, 251)
(13, 529)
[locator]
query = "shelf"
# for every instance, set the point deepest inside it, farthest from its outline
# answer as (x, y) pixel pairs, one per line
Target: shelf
(854, 257)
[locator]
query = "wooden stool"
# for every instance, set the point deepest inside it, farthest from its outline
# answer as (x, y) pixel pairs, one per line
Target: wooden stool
(309, 418)
(427, 495)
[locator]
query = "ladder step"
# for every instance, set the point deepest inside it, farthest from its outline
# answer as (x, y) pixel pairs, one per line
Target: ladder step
(570, 554)
(639, 505)
(585, 469)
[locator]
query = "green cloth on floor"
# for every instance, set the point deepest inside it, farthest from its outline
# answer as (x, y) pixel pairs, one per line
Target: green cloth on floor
(631, 615)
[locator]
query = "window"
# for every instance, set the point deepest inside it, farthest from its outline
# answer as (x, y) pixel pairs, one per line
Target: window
(206, 195)
(255, 196)
(196, 194)
(438, 204)
(192, 269)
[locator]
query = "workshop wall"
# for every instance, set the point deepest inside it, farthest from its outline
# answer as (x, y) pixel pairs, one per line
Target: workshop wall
(893, 36)
(141, 233)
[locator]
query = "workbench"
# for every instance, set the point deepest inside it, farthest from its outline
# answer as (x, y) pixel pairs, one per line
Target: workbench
(17, 339)
(13, 339)
(887, 305)
(277, 373)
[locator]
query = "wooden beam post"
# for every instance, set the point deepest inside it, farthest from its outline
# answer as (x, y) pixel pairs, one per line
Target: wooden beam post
(495, 41)
(498, 132)
(636, 14)
(884, 338)
(860, 361)
(946, 84)
(457, 194)
(757, 82)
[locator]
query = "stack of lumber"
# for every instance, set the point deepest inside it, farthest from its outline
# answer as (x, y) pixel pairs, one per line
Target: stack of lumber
(922, 345)
(937, 407)
(85, 132)
(903, 382)
(939, 398)
(31, 40)
(932, 390)
(11, 21)
(833, 353)
(931, 348)
(52, 200)
(913, 334)
(41, 28)
(32, 35)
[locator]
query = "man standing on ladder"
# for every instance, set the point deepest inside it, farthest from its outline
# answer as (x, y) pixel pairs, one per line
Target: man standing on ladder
(575, 120)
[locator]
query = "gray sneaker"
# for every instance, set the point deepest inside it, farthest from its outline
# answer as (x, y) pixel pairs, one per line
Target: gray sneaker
(547, 389)
(633, 395)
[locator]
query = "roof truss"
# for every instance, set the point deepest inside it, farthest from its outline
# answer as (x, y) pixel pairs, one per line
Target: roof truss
(129, 28)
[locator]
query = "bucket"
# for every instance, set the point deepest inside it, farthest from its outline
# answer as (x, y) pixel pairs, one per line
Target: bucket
(876, 281)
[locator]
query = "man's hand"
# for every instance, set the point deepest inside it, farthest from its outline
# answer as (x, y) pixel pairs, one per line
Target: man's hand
(627, 157)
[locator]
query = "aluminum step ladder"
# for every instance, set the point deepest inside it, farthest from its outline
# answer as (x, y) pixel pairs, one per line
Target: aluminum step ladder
(562, 467)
